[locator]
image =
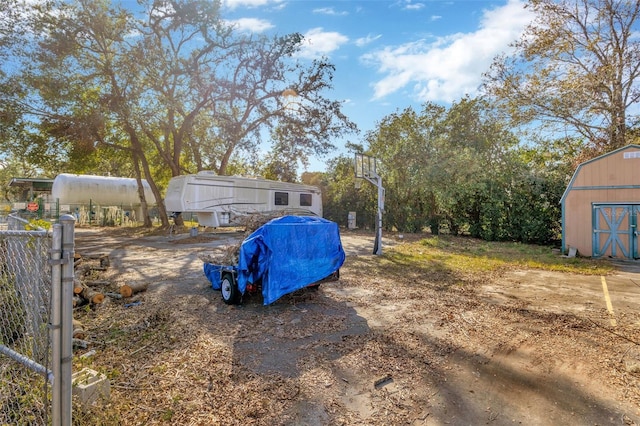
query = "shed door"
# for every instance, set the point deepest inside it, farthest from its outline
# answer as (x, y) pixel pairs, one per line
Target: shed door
(635, 218)
(615, 230)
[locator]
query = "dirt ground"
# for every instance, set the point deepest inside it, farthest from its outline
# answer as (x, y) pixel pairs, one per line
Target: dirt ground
(418, 348)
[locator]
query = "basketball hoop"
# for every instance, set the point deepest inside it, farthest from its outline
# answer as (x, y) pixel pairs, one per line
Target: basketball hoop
(365, 166)
(365, 169)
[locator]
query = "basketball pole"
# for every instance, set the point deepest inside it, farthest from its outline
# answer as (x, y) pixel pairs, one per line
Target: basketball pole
(371, 175)
(377, 246)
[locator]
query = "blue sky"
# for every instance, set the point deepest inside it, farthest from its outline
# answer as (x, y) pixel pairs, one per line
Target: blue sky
(391, 54)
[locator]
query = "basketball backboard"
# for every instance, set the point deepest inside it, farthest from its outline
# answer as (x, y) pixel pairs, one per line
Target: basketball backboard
(365, 166)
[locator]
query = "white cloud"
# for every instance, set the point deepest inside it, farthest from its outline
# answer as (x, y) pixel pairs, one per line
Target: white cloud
(251, 24)
(233, 4)
(363, 41)
(319, 43)
(435, 17)
(330, 11)
(413, 6)
(452, 66)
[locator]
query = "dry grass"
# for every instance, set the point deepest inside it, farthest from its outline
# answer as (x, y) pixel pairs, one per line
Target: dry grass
(469, 254)
(387, 344)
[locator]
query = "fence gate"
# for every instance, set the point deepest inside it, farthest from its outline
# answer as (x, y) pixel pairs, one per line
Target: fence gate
(615, 230)
(36, 292)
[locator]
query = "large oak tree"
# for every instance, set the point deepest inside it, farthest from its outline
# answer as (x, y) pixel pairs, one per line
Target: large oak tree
(173, 87)
(575, 70)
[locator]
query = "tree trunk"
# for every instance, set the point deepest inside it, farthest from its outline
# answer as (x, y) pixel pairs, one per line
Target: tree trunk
(128, 290)
(92, 296)
(138, 157)
(143, 198)
(78, 330)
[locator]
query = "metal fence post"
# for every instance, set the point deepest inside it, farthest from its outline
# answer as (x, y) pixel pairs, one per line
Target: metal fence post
(31, 274)
(66, 355)
(55, 321)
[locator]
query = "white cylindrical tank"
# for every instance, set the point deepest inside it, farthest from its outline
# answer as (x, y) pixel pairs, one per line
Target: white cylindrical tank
(103, 190)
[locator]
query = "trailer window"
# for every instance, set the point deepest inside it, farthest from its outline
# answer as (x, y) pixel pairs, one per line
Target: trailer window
(282, 199)
(305, 200)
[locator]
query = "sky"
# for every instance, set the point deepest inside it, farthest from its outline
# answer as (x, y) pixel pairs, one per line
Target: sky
(390, 55)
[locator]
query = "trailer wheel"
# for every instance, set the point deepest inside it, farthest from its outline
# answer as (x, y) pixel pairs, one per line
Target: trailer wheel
(229, 289)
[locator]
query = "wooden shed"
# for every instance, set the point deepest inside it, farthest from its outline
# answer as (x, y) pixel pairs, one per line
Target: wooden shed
(601, 206)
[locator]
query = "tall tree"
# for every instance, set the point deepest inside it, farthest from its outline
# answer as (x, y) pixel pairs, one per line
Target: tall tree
(461, 169)
(473, 163)
(175, 88)
(575, 69)
(15, 24)
(406, 144)
(340, 195)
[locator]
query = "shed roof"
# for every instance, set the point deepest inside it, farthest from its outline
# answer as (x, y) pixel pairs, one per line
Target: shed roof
(35, 184)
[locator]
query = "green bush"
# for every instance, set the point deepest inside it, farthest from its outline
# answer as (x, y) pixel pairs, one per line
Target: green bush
(37, 224)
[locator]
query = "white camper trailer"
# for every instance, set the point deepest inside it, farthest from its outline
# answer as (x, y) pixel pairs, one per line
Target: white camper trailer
(223, 200)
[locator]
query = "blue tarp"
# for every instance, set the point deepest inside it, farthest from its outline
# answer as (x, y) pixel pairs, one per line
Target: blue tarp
(214, 274)
(289, 253)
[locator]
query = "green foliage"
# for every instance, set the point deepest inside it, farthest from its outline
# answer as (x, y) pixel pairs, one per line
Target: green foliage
(340, 195)
(37, 225)
(406, 144)
(458, 170)
(281, 163)
(533, 211)
(574, 69)
(187, 93)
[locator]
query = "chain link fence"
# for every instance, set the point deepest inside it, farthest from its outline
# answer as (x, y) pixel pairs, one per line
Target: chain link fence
(27, 343)
(87, 214)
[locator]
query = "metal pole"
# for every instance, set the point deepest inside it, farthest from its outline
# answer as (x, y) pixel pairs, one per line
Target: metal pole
(68, 248)
(28, 362)
(55, 321)
(377, 248)
(365, 168)
(377, 181)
